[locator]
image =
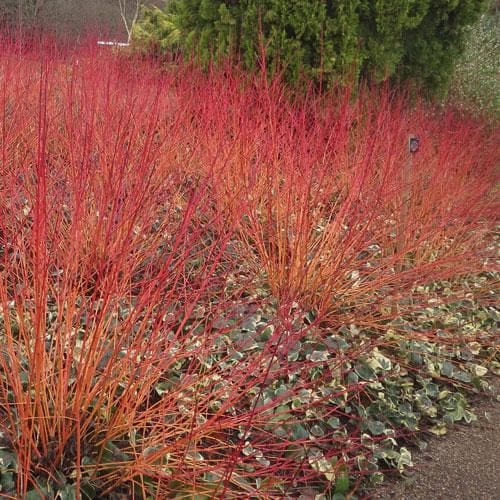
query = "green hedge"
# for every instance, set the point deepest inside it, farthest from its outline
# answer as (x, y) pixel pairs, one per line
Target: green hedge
(321, 39)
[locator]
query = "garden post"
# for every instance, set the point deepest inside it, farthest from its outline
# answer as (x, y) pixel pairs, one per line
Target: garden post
(413, 147)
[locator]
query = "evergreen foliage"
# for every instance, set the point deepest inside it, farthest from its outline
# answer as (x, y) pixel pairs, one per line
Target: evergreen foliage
(322, 40)
(157, 30)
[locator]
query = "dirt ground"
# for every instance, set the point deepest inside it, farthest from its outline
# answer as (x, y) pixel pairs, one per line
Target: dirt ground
(462, 465)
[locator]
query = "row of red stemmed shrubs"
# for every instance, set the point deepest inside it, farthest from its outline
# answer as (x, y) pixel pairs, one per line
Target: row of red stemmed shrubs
(199, 271)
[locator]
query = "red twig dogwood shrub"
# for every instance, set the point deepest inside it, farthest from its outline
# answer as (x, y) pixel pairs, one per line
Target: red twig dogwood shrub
(336, 210)
(102, 275)
(186, 262)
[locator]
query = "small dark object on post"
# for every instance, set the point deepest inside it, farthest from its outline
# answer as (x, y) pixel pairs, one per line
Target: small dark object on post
(413, 144)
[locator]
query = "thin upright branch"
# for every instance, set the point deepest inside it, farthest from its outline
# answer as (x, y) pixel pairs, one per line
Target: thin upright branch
(129, 23)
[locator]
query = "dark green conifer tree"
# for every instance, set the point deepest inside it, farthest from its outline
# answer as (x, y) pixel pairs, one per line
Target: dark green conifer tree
(329, 39)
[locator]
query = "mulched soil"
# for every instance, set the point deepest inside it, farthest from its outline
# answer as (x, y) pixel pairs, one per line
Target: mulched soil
(464, 464)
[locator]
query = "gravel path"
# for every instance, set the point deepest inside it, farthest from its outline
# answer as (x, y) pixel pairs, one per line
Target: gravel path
(463, 465)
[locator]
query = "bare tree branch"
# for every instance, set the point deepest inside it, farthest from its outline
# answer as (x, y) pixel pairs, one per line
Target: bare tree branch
(129, 24)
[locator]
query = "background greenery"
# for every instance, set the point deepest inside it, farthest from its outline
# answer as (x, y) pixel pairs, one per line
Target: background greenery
(476, 79)
(418, 40)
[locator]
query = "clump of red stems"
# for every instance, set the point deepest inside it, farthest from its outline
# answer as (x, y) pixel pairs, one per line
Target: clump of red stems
(138, 207)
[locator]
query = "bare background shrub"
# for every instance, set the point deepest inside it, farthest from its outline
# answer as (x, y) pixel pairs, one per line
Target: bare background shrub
(73, 17)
